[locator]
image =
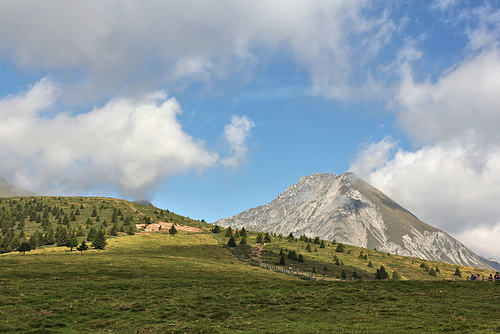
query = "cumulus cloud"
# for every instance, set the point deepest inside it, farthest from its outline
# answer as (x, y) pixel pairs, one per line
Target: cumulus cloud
(450, 178)
(129, 144)
(158, 42)
(236, 135)
(437, 183)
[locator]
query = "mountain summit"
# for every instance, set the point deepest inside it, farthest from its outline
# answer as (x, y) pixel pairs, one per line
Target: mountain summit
(347, 209)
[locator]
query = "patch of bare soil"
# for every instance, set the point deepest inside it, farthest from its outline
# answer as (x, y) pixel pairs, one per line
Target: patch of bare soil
(162, 226)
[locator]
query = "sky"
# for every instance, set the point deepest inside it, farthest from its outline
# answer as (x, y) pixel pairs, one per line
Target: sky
(209, 108)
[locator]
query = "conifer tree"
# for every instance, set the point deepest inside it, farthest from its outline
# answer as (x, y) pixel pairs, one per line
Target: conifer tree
(131, 230)
(317, 241)
(114, 230)
(229, 232)
(340, 248)
(260, 238)
(243, 241)
(236, 234)
(282, 260)
(290, 237)
(382, 273)
(300, 258)
(215, 229)
(432, 272)
(24, 247)
(80, 233)
(94, 213)
(92, 234)
(61, 236)
(48, 238)
(231, 242)
(355, 275)
(308, 248)
(243, 232)
(458, 272)
(172, 230)
(370, 264)
(267, 237)
(100, 240)
(322, 245)
(72, 241)
(83, 247)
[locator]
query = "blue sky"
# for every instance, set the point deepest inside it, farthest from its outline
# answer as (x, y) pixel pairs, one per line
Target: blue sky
(210, 108)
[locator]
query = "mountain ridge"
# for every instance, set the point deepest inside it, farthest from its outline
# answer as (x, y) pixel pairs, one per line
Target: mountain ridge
(347, 209)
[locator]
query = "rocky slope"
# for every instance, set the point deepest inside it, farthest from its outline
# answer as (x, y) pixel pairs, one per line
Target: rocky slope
(8, 190)
(347, 209)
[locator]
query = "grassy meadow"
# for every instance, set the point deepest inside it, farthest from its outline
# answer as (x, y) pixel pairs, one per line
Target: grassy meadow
(191, 282)
(161, 283)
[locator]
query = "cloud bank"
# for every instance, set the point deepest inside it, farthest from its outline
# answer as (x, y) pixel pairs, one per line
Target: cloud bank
(129, 145)
(450, 180)
(131, 46)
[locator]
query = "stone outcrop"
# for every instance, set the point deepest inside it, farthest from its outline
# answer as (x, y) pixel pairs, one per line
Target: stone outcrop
(347, 209)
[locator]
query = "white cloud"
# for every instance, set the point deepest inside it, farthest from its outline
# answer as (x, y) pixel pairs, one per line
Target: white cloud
(373, 156)
(438, 184)
(236, 135)
(127, 144)
(156, 42)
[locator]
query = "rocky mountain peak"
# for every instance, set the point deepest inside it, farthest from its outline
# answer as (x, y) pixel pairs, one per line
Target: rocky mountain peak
(347, 209)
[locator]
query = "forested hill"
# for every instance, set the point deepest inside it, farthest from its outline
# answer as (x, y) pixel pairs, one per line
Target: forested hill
(52, 220)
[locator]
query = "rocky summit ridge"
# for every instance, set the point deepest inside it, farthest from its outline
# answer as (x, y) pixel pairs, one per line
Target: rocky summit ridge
(347, 209)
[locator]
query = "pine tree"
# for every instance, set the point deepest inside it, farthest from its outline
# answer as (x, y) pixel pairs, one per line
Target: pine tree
(267, 237)
(61, 236)
(300, 258)
(48, 238)
(172, 230)
(260, 238)
(243, 241)
(243, 232)
(317, 241)
(308, 248)
(322, 245)
(432, 272)
(100, 240)
(92, 234)
(290, 237)
(72, 241)
(370, 264)
(340, 248)
(94, 213)
(83, 247)
(343, 275)
(229, 232)
(131, 230)
(231, 242)
(114, 230)
(458, 272)
(24, 247)
(216, 229)
(282, 260)
(382, 273)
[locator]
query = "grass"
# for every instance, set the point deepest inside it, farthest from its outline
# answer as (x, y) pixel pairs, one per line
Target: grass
(158, 283)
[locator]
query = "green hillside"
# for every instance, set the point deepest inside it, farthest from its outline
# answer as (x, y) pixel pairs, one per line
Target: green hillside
(156, 282)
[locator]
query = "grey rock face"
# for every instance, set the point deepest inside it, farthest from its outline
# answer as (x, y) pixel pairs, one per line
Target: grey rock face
(347, 209)
(8, 190)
